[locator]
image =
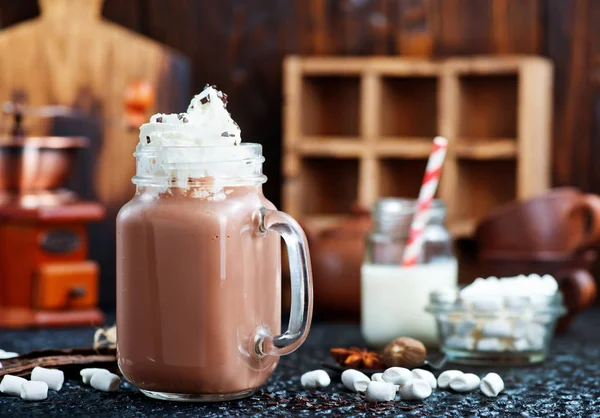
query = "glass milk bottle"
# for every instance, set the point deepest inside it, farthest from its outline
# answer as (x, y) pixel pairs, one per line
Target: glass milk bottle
(393, 297)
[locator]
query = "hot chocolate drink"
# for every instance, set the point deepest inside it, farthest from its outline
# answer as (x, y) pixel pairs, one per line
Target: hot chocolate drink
(198, 270)
(203, 281)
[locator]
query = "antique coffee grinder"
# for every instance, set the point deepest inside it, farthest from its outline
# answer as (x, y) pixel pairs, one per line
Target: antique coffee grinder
(45, 276)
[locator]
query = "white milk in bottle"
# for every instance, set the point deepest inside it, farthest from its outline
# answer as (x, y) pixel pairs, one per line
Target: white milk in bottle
(393, 297)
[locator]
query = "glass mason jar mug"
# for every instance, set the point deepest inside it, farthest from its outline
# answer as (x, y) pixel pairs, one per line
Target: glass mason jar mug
(198, 275)
(393, 297)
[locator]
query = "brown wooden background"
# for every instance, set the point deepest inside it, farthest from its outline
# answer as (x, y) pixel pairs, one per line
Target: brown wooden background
(239, 45)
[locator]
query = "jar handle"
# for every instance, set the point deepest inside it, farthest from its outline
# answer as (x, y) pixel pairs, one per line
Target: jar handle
(301, 286)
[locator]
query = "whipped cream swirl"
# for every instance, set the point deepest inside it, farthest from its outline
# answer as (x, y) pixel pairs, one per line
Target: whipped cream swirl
(179, 149)
(206, 123)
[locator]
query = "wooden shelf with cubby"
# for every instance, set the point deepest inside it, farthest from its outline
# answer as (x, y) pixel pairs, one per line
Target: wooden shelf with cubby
(357, 129)
(485, 149)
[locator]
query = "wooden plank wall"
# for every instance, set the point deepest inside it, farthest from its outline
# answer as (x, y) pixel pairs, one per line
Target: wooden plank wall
(239, 45)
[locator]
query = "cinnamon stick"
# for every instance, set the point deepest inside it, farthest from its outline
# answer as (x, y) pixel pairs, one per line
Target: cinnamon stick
(86, 357)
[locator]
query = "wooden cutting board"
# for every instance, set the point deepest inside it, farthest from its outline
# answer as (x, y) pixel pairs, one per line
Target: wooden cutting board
(70, 56)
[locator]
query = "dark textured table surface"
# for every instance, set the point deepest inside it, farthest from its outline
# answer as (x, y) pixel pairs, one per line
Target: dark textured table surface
(566, 385)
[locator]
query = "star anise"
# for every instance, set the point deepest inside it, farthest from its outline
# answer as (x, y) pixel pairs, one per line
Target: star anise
(357, 358)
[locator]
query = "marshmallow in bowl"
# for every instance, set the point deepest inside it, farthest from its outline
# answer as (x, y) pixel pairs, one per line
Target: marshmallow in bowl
(499, 315)
(498, 328)
(465, 327)
(491, 344)
(460, 342)
(509, 288)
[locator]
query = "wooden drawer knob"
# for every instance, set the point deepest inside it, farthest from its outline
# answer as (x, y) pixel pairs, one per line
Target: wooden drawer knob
(77, 292)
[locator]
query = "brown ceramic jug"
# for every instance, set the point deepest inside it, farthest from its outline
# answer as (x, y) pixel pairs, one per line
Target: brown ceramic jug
(555, 223)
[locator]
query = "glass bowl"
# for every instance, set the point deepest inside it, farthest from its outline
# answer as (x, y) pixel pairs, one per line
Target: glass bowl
(494, 329)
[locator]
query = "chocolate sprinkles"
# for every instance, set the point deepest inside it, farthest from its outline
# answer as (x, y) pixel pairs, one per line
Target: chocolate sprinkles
(159, 119)
(223, 97)
(147, 139)
(205, 99)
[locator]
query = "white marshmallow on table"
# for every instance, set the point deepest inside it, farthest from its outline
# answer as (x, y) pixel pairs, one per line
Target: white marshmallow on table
(425, 375)
(106, 382)
(376, 377)
(465, 382)
(11, 385)
(397, 375)
(86, 374)
(460, 343)
(34, 391)
(444, 378)
(355, 380)
(491, 344)
(7, 354)
(499, 328)
(414, 389)
(53, 377)
(315, 379)
(380, 391)
(491, 385)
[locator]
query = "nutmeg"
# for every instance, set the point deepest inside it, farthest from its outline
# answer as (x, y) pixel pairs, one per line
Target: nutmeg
(404, 352)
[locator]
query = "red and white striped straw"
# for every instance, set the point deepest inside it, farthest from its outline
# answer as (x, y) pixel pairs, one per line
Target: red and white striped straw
(426, 195)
